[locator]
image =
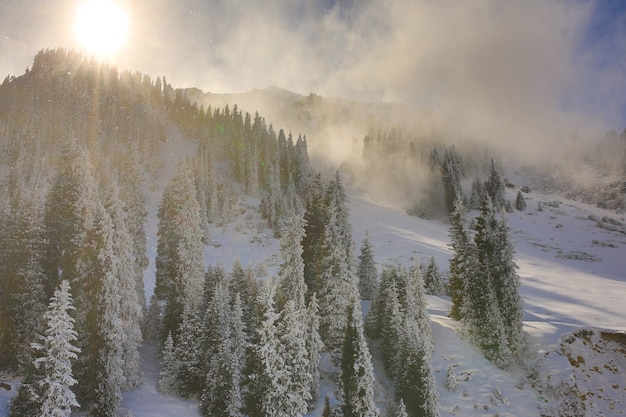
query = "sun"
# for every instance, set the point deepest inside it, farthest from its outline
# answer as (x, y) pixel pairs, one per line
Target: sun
(102, 26)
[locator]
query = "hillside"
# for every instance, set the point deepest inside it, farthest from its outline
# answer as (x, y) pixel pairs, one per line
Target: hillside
(125, 143)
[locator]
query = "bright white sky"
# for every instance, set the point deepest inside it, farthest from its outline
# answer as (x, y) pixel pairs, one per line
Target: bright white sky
(534, 63)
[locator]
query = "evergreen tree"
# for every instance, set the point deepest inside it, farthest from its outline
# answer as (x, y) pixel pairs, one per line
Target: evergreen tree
(169, 367)
(222, 394)
(315, 221)
(357, 374)
(392, 328)
(433, 280)
(336, 285)
(269, 380)
(58, 352)
(121, 258)
(401, 411)
(314, 346)
(507, 284)
(153, 321)
(484, 318)
(495, 187)
(68, 214)
(452, 175)
(22, 280)
(292, 334)
(463, 264)
(179, 260)
(520, 202)
(475, 196)
(415, 383)
(291, 272)
(190, 352)
(243, 282)
(367, 273)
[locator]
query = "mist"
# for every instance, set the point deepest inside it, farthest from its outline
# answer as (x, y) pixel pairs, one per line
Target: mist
(523, 77)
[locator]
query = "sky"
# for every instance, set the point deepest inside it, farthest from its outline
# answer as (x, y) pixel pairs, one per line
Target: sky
(491, 66)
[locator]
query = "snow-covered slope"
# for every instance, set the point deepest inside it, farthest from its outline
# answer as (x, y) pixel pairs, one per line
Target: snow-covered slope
(571, 264)
(571, 267)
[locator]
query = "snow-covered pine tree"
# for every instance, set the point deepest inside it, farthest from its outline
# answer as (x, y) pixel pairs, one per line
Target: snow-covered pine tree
(291, 271)
(222, 395)
(391, 328)
(401, 410)
(378, 312)
(190, 351)
(168, 383)
(152, 322)
(415, 383)
(463, 263)
(243, 282)
(22, 280)
(314, 346)
(367, 272)
(123, 263)
(357, 373)
(337, 288)
(484, 317)
(433, 280)
(451, 172)
(415, 305)
(130, 180)
(507, 284)
(68, 213)
(216, 318)
(495, 187)
(58, 351)
(292, 334)
(268, 381)
(520, 202)
(315, 221)
(477, 192)
(179, 260)
(107, 356)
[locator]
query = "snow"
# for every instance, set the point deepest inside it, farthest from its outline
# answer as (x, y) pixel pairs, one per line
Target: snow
(571, 266)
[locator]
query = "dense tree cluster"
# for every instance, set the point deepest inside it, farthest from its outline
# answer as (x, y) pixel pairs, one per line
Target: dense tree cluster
(399, 320)
(484, 284)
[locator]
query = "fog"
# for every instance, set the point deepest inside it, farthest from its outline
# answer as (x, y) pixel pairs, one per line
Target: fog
(521, 75)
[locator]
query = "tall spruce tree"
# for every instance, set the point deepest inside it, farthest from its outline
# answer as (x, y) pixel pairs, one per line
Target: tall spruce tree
(433, 280)
(357, 373)
(179, 260)
(366, 272)
(268, 380)
(314, 346)
(291, 272)
(292, 334)
(222, 395)
(463, 264)
(58, 351)
(495, 187)
(336, 285)
(484, 317)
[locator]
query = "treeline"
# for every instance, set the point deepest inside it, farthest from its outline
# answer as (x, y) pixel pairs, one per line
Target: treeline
(429, 174)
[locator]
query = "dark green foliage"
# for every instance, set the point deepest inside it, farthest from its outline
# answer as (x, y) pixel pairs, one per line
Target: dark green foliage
(357, 378)
(495, 187)
(462, 263)
(433, 280)
(520, 202)
(452, 173)
(366, 272)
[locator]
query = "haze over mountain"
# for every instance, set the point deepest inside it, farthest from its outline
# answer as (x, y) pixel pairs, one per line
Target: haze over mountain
(124, 187)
